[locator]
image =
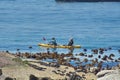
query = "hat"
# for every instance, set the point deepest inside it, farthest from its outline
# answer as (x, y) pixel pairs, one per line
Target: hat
(53, 38)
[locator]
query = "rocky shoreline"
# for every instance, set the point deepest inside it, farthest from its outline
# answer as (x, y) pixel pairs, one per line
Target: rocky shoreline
(25, 66)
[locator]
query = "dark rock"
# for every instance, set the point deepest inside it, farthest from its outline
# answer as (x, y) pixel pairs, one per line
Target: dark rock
(0, 72)
(32, 77)
(105, 57)
(119, 51)
(7, 51)
(45, 78)
(8, 78)
(95, 51)
(99, 56)
(82, 54)
(101, 52)
(90, 56)
(109, 48)
(119, 58)
(85, 50)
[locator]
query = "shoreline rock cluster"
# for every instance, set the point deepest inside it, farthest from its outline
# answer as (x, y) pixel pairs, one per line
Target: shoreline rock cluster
(6, 58)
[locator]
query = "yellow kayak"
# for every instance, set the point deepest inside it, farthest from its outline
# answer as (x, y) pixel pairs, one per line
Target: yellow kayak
(58, 46)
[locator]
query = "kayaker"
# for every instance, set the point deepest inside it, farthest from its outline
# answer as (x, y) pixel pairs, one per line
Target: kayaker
(71, 42)
(53, 42)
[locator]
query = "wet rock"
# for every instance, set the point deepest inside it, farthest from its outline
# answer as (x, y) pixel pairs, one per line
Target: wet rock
(85, 50)
(81, 54)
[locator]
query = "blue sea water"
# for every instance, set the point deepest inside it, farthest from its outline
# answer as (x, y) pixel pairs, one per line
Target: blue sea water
(24, 23)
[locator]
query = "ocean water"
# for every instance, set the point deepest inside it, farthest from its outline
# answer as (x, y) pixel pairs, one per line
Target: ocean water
(24, 23)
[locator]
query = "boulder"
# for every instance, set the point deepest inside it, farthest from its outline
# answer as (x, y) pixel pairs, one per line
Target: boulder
(108, 75)
(32, 77)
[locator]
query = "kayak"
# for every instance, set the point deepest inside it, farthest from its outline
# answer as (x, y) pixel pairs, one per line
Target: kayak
(58, 46)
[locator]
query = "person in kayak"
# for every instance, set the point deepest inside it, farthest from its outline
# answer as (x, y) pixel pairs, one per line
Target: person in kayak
(71, 42)
(53, 42)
